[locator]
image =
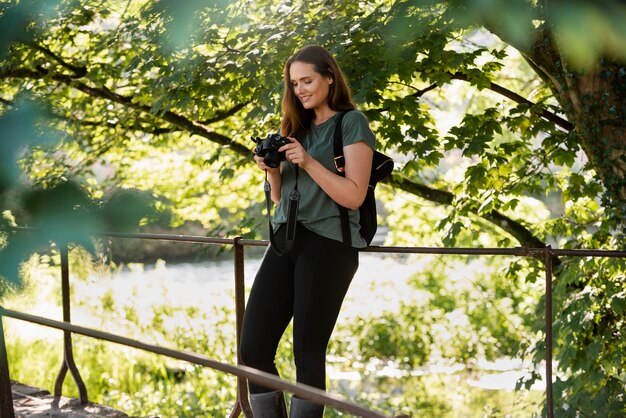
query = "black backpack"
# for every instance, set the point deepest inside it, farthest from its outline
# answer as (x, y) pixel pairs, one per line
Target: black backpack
(382, 166)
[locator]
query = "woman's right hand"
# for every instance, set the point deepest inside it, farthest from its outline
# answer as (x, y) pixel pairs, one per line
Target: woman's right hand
(263, 166)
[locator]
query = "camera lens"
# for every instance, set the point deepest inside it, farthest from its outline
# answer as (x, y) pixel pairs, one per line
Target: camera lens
(272, 160)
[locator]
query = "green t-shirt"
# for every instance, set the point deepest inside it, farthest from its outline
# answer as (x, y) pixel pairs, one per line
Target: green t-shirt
(317, 211)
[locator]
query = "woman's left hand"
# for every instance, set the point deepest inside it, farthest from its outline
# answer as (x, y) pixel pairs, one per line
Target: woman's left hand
(295, 153)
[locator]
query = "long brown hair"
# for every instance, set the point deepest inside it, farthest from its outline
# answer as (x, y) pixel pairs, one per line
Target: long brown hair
(297, 119)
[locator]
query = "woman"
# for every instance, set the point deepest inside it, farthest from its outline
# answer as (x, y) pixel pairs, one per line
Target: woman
(308, 283)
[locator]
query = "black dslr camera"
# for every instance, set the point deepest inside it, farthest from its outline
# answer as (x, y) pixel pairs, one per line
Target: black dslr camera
(268, 149)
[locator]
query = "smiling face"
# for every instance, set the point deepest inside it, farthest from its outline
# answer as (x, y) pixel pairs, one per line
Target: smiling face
(309, 86)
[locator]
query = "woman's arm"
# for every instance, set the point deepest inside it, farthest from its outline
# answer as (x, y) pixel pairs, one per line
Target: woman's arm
(348, 191)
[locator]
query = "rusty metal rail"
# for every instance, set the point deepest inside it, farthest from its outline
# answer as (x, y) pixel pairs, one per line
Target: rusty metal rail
(243, 373)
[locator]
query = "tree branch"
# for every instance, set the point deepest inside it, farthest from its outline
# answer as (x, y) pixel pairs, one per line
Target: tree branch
(554, 118)
(82, 71)
(540, 52)
(83, 122)
(513, 227)
(417, 94)
(78, 71)
(104, 93)
(544, 58)
(425, 90)
(219, 116)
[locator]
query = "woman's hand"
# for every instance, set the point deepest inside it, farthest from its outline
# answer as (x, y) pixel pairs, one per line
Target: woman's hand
(263, 166)
(295, 153)
(348, 191)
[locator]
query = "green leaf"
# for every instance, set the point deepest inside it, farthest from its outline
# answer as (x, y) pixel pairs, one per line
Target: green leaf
(511, 204)
(618, 303)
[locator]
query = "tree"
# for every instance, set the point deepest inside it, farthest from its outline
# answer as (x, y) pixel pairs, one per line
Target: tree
(130, 78)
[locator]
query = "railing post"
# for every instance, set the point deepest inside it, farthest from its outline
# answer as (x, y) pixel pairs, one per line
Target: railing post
(242, 403)
(6, 397)
(549, 398)
(68, 352)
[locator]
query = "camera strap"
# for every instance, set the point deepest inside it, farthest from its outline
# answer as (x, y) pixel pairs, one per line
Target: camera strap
(292, 218)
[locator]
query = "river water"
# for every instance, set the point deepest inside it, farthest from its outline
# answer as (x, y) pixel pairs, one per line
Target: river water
(379, 285)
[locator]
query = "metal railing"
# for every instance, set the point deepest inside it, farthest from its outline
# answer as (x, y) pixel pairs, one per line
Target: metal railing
(243, 373)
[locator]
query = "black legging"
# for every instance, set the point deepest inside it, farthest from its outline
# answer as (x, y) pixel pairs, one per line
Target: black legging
(309, 284)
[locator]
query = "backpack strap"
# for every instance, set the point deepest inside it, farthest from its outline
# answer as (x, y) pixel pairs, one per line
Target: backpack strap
(340, 163)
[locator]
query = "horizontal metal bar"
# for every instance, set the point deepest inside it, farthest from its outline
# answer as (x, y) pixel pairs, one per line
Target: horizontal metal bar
(171, 237)
(589, 253)
(521, 251)
(162, 237)
(516, 251)
(257, 376)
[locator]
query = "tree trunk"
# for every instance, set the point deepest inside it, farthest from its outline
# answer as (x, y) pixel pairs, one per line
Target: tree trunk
(594, 100)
